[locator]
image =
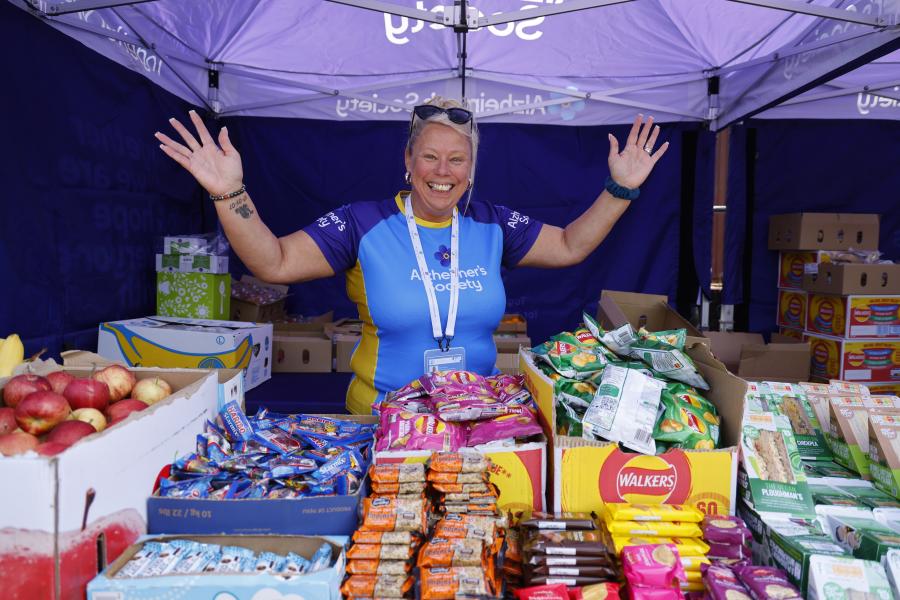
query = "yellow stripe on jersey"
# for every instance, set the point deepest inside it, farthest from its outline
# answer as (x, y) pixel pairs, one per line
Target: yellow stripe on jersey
(361, 393)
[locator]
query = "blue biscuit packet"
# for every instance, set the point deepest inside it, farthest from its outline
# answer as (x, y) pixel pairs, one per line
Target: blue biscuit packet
(322, 558)
(190, 488)
(237, 425)
(277, 440)
(295, 564)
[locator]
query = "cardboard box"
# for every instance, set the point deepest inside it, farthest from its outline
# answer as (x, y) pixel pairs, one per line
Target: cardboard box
(854, 316)
(791, 308)
(301, 348)
(867, 360)
(512, 323)
(585, 474)
(316, 515)
(230, 381)
(749, 357)
(320, 585)
(508, 363)
(641, 310)
(190, 343)
(193, 295)
(192, 263)
(788, 332)
(59, 515)
(884, 452)
(792, 266)
(517, 471)
(849, 430)
(511, 342)
(842, 279)
(883, 387)
(344, 346)
(270, 312)
(823, 231)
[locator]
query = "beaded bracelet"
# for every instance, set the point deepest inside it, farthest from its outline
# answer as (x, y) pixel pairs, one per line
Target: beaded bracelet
(229, 195)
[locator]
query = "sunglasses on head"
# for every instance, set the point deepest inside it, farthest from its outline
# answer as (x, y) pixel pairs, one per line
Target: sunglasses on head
(460, 116)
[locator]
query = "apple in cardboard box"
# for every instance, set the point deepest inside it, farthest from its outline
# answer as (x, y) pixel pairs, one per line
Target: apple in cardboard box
(7, 420)
(91, 416)
(17, 442)
(69, 432)
(41, 411)
(151, 390)
(119, 380)
(121, 409)
(59, 380)
(87, 393)
(50, 448)
(20, 386)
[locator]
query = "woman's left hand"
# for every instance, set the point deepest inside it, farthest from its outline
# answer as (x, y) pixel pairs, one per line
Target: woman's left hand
(631, 167)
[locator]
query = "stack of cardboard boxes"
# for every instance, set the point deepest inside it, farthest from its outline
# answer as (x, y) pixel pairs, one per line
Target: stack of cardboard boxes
(192, 279)
(849, 313)
(511, 334)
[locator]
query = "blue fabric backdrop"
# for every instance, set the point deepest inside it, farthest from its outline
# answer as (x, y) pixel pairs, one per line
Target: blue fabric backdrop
(89, 194)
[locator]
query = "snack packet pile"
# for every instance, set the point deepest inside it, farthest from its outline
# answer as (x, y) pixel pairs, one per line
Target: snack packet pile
(748, 582)
(446, 411)
(728, 539)
(654, 572)
(668, 526)
(272, 455)
(183, 557)
(636, 388)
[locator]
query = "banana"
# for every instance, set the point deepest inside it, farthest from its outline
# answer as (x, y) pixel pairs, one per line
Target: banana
(12, 352)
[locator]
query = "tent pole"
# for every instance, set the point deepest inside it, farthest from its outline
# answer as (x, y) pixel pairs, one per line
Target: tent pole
(825, 12)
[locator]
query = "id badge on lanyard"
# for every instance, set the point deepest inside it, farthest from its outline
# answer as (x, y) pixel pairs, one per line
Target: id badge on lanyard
(442, 358)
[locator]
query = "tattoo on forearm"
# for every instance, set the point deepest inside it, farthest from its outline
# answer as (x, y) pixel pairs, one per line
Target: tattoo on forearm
(240, 207)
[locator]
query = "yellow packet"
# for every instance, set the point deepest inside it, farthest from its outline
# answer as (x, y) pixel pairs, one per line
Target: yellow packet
(654, 528)
(623, 511)
(692, 563)
(694, 577)
(692, 586)
(686, 546)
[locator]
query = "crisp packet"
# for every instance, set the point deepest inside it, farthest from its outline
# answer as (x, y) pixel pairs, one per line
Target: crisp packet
(668, 361)
(653, 566)
(685, 425)
(569, 358)
(722, 584)
(402, 430)
(673, 337)
(623, 511)
(618, 340)
(767, 583)
(518, 424)
(624, 409)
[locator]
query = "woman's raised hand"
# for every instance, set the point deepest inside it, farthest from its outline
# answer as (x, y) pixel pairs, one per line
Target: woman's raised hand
(631, 166)
(216, 167)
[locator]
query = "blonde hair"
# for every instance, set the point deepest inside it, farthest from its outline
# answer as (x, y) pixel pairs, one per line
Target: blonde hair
(469, 130)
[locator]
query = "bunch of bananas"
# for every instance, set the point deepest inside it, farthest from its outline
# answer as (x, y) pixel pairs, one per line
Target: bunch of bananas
(12, 352)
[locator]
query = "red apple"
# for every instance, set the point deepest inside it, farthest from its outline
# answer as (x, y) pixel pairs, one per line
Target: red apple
(59, 380)
(152, 390)
(119, 379)
(40, 412)
(121, 409)
(7, 420)
(51, 448)
(20, 386)
(87, 393)
(69, 432)
(17, 442)
(91, 416)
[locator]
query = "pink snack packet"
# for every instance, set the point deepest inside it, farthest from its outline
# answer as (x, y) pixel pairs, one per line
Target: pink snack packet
(520, 422)
(651, 593)
(653, 565)
(401, 430)
(509, 388)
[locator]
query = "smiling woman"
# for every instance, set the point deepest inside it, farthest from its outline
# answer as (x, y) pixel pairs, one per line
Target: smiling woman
(423, 271)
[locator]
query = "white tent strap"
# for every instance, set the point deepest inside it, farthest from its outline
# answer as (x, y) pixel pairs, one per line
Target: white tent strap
(825, 12)
(349, 93)
(394, 9)
(848, 91)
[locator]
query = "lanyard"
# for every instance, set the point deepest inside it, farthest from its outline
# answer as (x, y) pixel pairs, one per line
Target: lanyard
(442, 338)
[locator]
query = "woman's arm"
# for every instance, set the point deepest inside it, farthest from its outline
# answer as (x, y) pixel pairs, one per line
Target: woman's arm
(558, 247)
(292, 258)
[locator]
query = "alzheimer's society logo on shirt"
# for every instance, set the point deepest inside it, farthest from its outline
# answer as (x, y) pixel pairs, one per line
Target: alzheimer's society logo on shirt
(329, 219)
(469, 279)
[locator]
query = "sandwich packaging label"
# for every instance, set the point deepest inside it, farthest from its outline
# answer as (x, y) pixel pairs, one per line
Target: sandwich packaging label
(808, 431)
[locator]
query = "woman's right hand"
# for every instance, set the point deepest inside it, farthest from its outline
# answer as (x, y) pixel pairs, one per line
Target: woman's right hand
(216, 167)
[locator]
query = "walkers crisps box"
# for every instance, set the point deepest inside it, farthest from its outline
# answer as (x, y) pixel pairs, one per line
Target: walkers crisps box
(854, 316)
(866, 360)
(586, 474)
